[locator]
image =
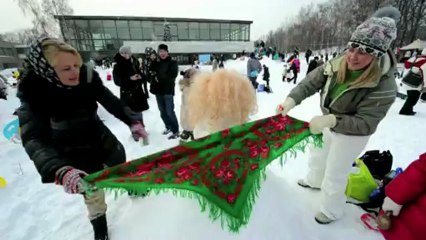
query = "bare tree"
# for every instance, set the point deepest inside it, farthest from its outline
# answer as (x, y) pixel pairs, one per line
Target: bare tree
(58, 8)
(24, 36)
(43, 14)
(330, 24)
(33, 9)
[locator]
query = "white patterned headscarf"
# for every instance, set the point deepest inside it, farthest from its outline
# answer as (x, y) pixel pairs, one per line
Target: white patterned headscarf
(38, 63)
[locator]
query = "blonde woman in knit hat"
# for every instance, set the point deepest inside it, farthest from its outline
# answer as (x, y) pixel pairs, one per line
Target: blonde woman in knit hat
(357, 89)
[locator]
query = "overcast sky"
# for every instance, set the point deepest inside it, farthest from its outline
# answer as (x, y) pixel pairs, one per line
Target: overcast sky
(266, 14)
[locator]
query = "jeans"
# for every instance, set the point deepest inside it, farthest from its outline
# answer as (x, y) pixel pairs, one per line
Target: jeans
(253, 81)
(167, 111)
(295, 76)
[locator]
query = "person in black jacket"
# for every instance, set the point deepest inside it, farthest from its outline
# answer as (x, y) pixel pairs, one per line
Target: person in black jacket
(128, 75)
(308, 54)
(163, 87)
(3, 89)
(151, 57)
(266, 77)
(313, 64)
(60, 128)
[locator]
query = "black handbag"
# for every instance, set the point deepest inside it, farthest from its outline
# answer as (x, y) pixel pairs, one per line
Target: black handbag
(413, 79)
(378, 163)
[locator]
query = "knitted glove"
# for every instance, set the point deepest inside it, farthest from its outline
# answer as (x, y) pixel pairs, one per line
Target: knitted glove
(138, 131)
(71, 179)
(390, 206)
(318, 123)
(286, 106)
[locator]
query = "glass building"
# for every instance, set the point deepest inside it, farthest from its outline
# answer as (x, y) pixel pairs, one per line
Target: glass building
(105, 34)
(8, 56)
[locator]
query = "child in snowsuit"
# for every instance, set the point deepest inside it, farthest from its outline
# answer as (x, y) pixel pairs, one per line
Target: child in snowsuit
(295, 68)
(184, 85)
(287, 73)
(406, 199)
(266, 77)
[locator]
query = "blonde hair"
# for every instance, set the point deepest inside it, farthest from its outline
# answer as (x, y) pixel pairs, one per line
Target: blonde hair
(51, 47)
(221, 97)
(371, 74)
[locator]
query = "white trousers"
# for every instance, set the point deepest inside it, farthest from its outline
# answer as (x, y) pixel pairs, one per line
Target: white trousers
(329, 168)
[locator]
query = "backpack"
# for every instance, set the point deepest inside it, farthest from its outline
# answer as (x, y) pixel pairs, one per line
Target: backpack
(360, 183)
(378, 163)
(413, 79)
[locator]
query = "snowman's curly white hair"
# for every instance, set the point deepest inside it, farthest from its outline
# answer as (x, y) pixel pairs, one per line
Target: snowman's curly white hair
(221, 95)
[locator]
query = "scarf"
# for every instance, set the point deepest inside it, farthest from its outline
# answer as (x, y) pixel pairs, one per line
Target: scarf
(38, 63)
(223, 171)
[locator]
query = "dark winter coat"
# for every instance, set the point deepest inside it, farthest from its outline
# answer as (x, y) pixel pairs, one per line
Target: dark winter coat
(147, 70)
(409, 190)
(166, 72)
(266, 74)
(131, 92)
(60, 127)
(312, 65)
(3, 89)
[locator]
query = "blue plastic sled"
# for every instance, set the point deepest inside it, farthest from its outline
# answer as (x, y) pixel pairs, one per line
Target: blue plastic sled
(10, 131)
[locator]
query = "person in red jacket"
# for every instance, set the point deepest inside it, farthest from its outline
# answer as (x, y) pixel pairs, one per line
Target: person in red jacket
(413, 94)
(406, 199)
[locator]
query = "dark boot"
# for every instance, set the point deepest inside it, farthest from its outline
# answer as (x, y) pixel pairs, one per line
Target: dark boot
(167, 131)
(423, 97)
(412, 99)
(100, 228)
(186, 136)
(174, 136)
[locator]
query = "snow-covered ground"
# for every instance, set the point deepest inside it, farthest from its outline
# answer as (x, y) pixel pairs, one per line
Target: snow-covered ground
(31, 210)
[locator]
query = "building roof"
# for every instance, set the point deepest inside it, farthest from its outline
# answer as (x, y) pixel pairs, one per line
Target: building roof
(7, 44)
(70, 17)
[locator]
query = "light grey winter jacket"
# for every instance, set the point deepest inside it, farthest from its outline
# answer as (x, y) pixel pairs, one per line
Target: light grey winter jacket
(253, 64)
(359, 109)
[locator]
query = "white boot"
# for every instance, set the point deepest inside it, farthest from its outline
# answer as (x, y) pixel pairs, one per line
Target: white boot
(321, 218)
(303, 183)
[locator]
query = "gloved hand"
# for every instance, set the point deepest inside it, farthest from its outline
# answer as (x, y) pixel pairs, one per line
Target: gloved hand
(138, 131)
(390, 206)
(318, 123)
(286, 106)
(71, 179)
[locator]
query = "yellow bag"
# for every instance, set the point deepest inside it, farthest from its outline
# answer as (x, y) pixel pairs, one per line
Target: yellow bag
(361, 184)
